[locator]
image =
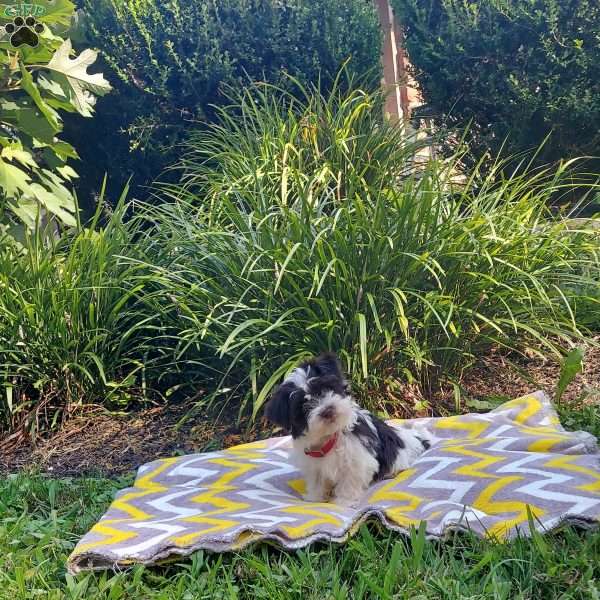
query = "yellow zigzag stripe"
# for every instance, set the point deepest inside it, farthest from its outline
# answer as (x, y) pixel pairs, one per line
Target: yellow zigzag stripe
(551, 434)
(474, 428)
(298, 485)
(309, 509)
(388, 493)
(485, 503)
(218, 525)
(248, 451)
(564, 462)
(237, 469)
(115, 536)
(224, 505)
(531, 406)
(147, 486)
(544, 444)
(476, 469)
(547, 443)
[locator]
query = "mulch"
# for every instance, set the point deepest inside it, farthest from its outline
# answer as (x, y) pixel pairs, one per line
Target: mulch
(499, 376)
(99, 443)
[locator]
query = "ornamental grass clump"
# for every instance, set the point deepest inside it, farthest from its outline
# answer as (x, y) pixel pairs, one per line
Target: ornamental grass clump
(302, 225)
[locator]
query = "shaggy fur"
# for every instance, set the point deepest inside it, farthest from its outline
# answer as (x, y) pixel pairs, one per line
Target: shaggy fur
(349, 447)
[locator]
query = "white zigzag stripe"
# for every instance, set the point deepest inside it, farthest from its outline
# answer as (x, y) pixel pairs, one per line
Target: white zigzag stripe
(504, 443)
(149, 543)
(466, 516)
(487, 417)
(282, 454)
(499, 431)
(284, 441)
(424, 481)
(261, 496)
(260, 479)
(185, 469)
(463, 507)
(537, 488)
(163, 503)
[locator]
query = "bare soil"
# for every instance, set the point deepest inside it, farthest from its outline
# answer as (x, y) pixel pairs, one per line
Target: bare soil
(97, 442)
(101, 443)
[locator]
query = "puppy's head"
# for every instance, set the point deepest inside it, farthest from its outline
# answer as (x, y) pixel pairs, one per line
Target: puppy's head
(314, 400)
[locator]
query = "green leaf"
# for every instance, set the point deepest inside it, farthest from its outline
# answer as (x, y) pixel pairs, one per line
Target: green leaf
(25, 117)
(27, 210)
(55, 203)
(571, 366)
(30, 87)
(64, 150)
(13, 179)
(56, 12)
(72, 75)
(51, 158)
(362, 325)
(67, 172)
(16, 152)
(53, 88)
(269, 385)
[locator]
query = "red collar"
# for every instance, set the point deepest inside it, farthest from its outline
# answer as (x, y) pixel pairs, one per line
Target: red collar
(325, 449)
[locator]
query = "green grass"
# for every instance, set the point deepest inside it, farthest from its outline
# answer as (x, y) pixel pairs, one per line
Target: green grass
(43, 518)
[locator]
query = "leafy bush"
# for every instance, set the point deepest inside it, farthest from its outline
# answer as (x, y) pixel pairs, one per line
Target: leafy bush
(71, 328)
(299, 227)
(173, 57)
(37, 80)
(512, 68)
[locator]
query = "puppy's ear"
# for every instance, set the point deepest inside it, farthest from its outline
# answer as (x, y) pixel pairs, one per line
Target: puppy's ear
(279, 407)
(317, 386)
(328, 364)
(326, 374)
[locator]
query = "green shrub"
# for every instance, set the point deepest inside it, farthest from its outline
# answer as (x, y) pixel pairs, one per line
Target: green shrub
(173, 57)
(39, 80)
(72, 330)
(298, 227)
(520, 69)
(84, 320)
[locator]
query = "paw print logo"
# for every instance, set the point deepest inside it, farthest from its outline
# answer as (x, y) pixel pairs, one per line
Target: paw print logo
(24, 31)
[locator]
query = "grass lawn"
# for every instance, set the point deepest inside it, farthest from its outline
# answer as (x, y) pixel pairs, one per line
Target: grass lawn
(42, 519)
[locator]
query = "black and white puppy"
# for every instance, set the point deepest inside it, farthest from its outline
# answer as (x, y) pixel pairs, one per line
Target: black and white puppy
(340, 448)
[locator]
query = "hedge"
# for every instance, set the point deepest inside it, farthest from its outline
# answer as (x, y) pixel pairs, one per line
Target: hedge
(515, 69)
(172, 60)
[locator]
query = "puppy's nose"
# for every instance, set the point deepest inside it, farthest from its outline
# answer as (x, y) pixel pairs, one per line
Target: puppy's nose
(328, 413)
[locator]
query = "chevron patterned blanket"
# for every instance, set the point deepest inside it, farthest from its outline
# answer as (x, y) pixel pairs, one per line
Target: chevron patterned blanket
(496, 474)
